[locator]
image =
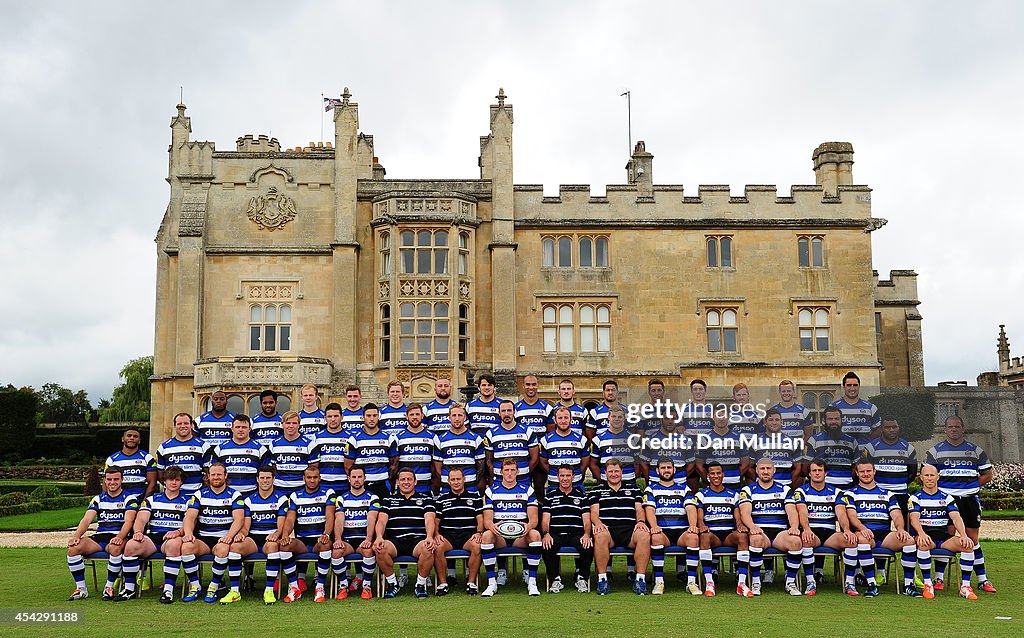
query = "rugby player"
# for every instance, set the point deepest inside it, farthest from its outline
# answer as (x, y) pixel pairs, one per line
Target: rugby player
(665, 507)
(138, 467)
(352, 415)
(931, 514)
(186, 451)
(392, 413)
(329, 449)
(483, 410)
(435, 413)
(413, 448)
(266, 426)
(835, 448)
(157, 527)
(718, 523)
(860, 417)
(371, 449)
(769, 514)
(963, 468)
(895, 462)
(510, 440)
(785, 453)
(534, 414)
(290, 454)
(656, 393)
(311, 418)
(460, 525)
(599, 415)
(215, 516)
(355, 520)
(723, 446)
(214, 426)
(566, 523)
(458, 447)
(406, 526)
(797, 420)
(668, 442)
(262, 530)
(563, 446)
(744, 418)
(510, 500)
(697, 414)
(872, 512)
(613, 443)
(617, 518)
(820, 508)
(242, 456)
(567, 399)
(308, 527)
(114, 510)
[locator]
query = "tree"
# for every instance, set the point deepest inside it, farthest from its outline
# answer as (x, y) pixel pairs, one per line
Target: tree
(60, 405)
(18, 408)
(131, 399)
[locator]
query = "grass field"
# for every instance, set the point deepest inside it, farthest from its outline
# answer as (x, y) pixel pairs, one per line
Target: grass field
(53, 519)
(38, 579)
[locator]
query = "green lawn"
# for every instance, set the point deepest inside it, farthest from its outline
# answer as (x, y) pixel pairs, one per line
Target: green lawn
(53, 519)
(38, 579)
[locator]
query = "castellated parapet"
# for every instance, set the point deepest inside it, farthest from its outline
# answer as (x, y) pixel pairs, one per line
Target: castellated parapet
(260, 144)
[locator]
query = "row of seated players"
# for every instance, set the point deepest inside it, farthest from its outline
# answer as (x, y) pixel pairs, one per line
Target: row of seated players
(765, 514)
(431, 456)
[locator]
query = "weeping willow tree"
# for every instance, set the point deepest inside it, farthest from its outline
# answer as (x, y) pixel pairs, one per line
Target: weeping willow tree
(130, 401)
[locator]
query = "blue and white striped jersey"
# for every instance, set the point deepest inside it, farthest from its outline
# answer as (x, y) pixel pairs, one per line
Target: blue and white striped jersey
(719, 508)
(820, 504)
(838, 455)
(767, 504)
(794, 419)
(581, 417)
(934, 509)
(290, 459)
(534, 416)
(728, 451)
(560, 450)
(784, 451)
(264, 512)
(435, 417)
(392, 419)
(463, 450)
(165, 514)
(959, 467)
(669, 503)
(312, 423)
(859, 418)
(136, 469)
(311, 510)
(111, 510)
(329, 450)
(510, 503)
(873, 506)
(895, 463)
(357, 509)
(514, 443)
(266, 428)
(352, 420)
(415, 450)
(608, 445)
(242, 461)
(216, 510)
(483, 415)
(214, 430)
(190, 456)
(372, 452)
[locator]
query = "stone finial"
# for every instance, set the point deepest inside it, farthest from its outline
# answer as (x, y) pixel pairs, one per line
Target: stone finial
(345, 95)
(500, 97)
(1004, 345)
(181, 109)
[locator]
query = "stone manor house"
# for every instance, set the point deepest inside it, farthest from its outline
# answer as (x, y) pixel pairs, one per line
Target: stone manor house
(279, 267)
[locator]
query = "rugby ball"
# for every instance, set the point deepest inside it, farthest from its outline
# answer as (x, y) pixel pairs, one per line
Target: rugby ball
(511, 530)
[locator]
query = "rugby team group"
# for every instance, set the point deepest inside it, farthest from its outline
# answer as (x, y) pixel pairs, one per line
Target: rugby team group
(366, 484)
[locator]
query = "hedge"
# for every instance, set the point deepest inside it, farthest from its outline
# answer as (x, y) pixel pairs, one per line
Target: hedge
(13, 498)
(21, 508)
(65, 490)
(99, 444)
(64, 502)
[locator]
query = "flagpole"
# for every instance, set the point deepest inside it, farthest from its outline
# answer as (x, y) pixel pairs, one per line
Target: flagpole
(629, 123)
(321, 119)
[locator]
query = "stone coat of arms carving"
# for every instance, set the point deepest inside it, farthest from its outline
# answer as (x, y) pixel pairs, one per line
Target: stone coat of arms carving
(272, 210)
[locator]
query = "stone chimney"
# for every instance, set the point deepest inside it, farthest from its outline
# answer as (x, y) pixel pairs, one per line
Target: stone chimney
(833, 166)
(640, 171)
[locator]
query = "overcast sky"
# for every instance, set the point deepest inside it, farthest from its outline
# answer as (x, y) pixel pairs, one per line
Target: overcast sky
(929, 93)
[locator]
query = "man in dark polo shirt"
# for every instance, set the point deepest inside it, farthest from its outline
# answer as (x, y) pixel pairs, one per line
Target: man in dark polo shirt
(460, 525)
(566, 523)
(616, 513)
(406, 527)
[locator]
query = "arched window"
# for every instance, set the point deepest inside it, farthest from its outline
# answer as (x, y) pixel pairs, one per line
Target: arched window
(564, 252)
(722, 330)
(586, 252)
(602, 252)
(815, 330)
(385, 254)
(547, 246)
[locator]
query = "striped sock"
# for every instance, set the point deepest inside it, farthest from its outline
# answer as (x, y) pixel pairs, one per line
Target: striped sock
(867, 562)
(742, 567)
(924, 561)
(533, 559)
(220, 565)
(692, 560)
(908, 558)
(792, 566)
(756, 561)
(191, 567)
(234, 570)
(171, 568)
(966, 567)
(273, 567)
(979, 564)
(130, 566)
(323, 567)
(369, 566)
(807, 556)
(707, 562)
(850, 562)
(76, 565)
(113, 569)
(658, 562)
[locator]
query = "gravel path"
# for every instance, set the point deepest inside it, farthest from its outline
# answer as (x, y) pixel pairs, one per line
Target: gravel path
(992, 530)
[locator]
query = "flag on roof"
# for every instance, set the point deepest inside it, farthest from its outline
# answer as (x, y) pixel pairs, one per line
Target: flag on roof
(331, 102)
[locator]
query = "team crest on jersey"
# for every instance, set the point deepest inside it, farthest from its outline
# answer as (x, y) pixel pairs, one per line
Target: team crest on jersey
(419, 501)
(575, 501)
